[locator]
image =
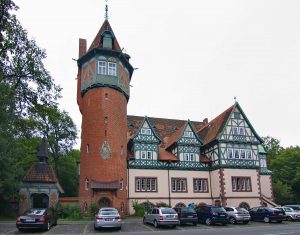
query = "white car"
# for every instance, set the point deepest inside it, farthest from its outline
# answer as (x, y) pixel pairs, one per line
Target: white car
(107, 218)
(290, 213)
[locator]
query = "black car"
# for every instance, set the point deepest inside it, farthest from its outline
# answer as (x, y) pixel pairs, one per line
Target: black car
(186, 215)
(38, 218)
(212, 214)
(266, 214)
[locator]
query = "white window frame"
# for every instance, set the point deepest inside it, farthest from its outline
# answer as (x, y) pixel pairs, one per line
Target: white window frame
(148, 131)
(86, 184)
(112, 69)
(149, 155)
(192, 155)
(242, 131)
(242, 152)
(186, 156)
(121, 184)
(143, 155)
(144, 184)
(200, 185)
(236, 151)
(230, 151)
(249, 157)
(235, 130)
(102, 67)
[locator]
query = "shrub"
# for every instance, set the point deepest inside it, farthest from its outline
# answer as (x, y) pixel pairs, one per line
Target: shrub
(162, 204)
(139, 209)
(93, 209)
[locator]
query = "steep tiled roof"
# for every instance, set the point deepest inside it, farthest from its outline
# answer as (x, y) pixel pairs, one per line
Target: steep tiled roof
(164, 155)
(40, 172)
(173, 138)
(210, 131)
(164, 128)
(97, 42)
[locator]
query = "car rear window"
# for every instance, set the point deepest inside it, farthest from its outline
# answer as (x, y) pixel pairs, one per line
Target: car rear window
(188, 210)
(108, 212)
(218, 209)
(35, 212)
(241, 209)
(168, 211)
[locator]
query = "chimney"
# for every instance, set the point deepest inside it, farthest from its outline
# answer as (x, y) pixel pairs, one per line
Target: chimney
(82, 47)
(205, 121)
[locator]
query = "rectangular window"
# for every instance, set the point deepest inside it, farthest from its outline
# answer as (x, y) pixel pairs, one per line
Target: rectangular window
(102, 67)
(236, 115)
(143, 155)
(229, 153)
(191, 157)
(146, 131)
(235, 131)
(112, 69)
(242, 130)
(186, 156)
(145, 184)
(179, 185)
(241, 184)
(236, 153)
(200, 185)
(243, 154)
(249, 154)
(149, 155)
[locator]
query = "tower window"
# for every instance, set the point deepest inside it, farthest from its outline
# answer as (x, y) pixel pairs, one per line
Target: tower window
(86, 184)
(121, 184)
(87, 148)
(106, 96)
(105, 120)
(101, 67)
(112, 69)
(105, 132)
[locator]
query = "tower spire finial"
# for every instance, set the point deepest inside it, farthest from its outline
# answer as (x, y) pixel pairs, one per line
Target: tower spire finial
(106, 11)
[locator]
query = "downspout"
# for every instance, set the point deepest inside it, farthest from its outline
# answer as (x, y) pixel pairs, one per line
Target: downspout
(209, 171)
(169, 183)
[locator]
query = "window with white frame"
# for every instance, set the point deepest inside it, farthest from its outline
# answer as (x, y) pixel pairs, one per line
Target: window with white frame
(249, 154)
(235, 130)
(236, 153)
(143, 155)
(179, 184)
(174, 151)
(188, 134)
(192, 158)
(241, 184)
(112, 69)
(102, 67)
(86, 184)
(143, 184)
(189, 157)
(146, 131)
(186, 156)
(243, 154)
(263, 163)
(242, 131)
(121, 184)
(200, 185)
(229, 153)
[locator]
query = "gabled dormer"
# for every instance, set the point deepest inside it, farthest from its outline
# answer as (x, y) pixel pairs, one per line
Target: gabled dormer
(185, 143)
(238, 128)
(144, 143)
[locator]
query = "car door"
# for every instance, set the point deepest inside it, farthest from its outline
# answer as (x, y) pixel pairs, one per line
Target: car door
(260, 214)
(148, 216)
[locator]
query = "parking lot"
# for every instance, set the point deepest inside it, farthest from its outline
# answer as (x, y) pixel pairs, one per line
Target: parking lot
(134, 225)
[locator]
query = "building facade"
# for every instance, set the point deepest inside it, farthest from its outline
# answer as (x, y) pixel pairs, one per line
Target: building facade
(127, 159)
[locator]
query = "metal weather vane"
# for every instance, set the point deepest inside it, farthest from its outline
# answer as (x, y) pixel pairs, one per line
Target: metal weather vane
(106, 10)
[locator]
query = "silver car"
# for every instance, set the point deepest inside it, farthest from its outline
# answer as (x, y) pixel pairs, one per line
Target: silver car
(107, 218)
(237, 214)
(160, 216)
(290, 213)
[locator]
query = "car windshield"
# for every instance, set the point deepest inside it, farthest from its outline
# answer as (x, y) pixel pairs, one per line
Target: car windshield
(188, 210)
(35, 212)
(168, 211)
(111, 212)
(218, 209)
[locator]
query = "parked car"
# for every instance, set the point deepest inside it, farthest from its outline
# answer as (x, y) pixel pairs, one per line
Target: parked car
(160, 216)
(211, 215)
(290, 213)
(107, 218)
(295, 207)
(186, 215)
(266, 214)
(37, 218)
(237, 214)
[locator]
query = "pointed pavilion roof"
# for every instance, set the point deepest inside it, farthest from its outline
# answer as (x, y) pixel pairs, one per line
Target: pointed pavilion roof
(97, 41)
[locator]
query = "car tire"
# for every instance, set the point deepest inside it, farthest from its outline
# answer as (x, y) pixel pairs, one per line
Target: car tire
(267, 220)
(144, 221)
(48, 226)
(95, 228)
(155, 224)
(232, 220)
(245, 222)
(289, 218)
(208, 221)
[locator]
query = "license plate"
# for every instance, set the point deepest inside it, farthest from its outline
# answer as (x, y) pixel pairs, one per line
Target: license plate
(190, 216)
(108, 219)
(222, 215)
(30, 220)
(280, 214)
(170, 216)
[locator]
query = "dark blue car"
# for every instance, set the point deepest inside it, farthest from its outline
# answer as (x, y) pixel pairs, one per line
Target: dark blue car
(212, 215)
(266, 214)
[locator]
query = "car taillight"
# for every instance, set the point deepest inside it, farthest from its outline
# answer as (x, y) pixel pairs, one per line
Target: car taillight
(99, 217)
(18, 220)
(42, 219)
(161, 218)
(237, 213)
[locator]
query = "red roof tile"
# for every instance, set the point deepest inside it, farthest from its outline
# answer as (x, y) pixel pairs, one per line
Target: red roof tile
(164, 155)
(40, 172)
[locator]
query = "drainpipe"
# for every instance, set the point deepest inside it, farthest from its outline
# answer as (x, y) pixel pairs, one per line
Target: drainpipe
(209, 171)
(169, 182)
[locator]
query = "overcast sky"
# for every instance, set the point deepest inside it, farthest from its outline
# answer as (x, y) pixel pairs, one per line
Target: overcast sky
(194, 56)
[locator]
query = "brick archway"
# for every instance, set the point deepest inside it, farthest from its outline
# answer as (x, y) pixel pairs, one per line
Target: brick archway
(105, 202)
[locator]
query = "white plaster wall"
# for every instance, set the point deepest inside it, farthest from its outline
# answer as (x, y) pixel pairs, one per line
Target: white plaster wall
(215, 183)
(253, 202)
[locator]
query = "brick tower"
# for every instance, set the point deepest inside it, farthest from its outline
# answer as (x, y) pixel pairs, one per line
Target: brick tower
(104, 74)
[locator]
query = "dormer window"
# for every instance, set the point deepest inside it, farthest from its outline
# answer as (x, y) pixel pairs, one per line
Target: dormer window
(107, 40)
(146, 131)
(242, 131)
(188, 134)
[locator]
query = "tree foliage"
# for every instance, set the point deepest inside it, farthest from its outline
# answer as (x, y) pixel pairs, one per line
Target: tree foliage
(28, 105)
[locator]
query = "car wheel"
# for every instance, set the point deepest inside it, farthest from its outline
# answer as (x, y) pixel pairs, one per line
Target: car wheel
(279, 221)
(144, 221)
(245, 222)
(267, 220)
(95, 228)
(208, 221)
(232, 220)
(155, 224)
(48, 226)
(289, 218)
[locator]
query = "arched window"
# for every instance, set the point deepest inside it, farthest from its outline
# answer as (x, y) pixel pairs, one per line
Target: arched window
(86, 184)
(244, 205)
(121, 184)
(180, 204)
